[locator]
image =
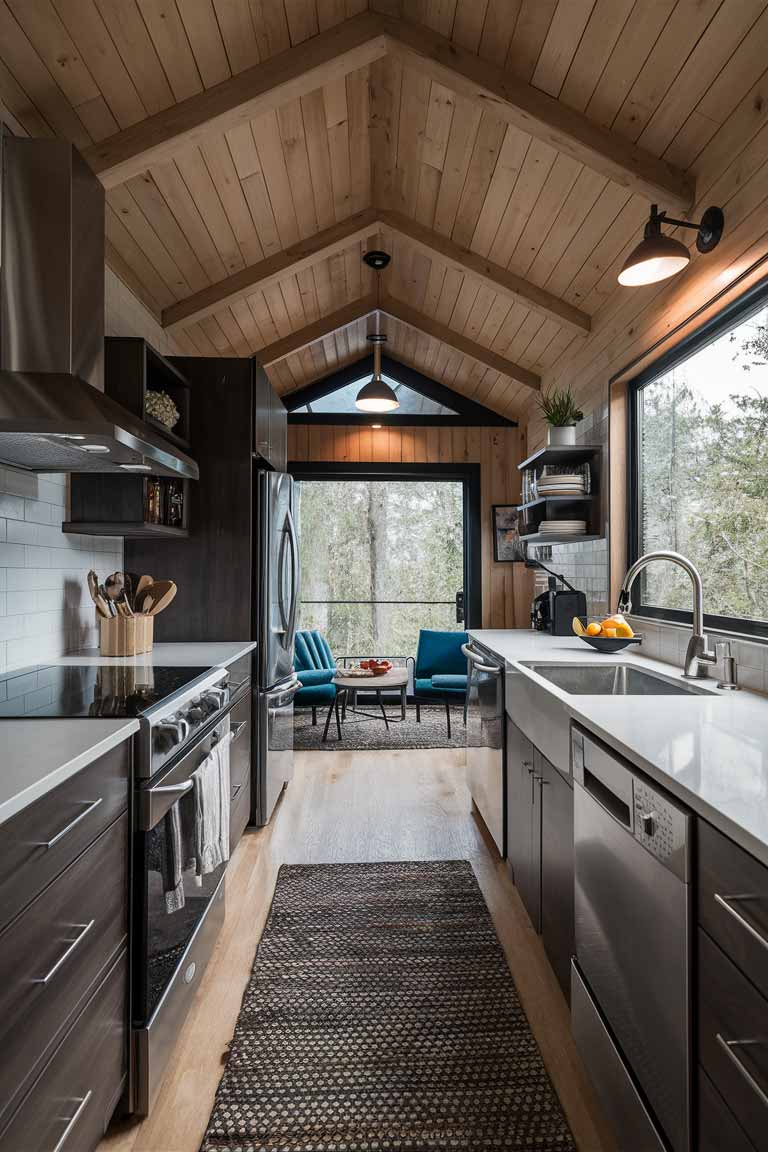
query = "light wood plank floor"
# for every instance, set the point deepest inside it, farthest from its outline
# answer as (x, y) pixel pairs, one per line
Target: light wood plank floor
(357, 806)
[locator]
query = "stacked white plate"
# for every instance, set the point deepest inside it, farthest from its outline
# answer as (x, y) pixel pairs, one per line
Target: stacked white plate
(566, 485)
(563, 527)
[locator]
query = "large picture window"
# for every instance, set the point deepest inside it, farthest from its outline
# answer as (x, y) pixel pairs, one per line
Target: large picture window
(699, 460)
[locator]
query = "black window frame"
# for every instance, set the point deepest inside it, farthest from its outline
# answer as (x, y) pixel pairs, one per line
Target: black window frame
(729, 317)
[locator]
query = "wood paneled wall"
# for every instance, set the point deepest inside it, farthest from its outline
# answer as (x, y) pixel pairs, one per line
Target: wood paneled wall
(507, 588)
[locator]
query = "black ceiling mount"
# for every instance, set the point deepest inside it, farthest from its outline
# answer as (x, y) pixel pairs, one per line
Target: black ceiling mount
(377, 260)
(710, 229)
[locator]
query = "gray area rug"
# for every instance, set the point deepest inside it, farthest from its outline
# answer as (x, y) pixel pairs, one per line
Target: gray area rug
(370, 735)
(381, 1014)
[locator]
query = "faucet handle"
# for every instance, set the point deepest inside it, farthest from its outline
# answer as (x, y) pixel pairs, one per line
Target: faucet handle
(729, 681)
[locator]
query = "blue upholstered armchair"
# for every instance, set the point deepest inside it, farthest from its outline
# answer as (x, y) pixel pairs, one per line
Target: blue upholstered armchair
(440, 671)
(315, 668)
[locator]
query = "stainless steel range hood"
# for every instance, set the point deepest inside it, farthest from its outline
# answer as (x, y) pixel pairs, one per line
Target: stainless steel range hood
(54, 416)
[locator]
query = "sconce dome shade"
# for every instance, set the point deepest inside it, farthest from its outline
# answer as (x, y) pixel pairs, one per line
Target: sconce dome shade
(655, 258)
(376, 396)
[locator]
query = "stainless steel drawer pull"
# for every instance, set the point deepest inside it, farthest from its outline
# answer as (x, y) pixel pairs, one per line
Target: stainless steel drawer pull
(726, 902)
(728, 1047)
(474, 658)
(84, 930)
(80, 1109)
(238, 730)
(72, 824)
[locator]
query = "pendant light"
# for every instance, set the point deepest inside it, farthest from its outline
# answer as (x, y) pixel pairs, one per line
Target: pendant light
(376, 395)
(658, 257)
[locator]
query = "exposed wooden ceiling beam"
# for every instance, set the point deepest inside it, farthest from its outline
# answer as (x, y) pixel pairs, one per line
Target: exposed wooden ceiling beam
(358, 228)
(316, 331)
(278, 80)
(267, 272)
(430, 327)
(542, 116)
(498, 279)
(355, 43)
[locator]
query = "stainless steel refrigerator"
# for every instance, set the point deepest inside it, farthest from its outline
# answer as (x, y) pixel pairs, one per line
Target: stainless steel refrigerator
(277, 579)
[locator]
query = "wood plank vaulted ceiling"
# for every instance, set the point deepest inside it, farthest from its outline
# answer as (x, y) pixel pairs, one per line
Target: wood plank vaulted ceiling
(504, 151)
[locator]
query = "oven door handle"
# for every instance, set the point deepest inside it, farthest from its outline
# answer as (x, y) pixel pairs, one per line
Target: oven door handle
(155, 802)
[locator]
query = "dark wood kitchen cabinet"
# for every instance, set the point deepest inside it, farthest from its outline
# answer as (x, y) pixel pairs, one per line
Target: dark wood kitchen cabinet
(540, 847)
(557, 909)
(732, 955)
(524, 822)
(63, 960)
(270, 422)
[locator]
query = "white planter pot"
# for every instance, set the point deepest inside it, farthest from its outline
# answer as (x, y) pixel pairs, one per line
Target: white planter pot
(561, 436)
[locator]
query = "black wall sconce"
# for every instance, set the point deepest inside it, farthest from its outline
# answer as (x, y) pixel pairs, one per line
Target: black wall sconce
(657, 256)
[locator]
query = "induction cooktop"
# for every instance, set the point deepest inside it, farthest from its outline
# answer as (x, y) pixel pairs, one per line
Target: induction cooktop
(96, 691)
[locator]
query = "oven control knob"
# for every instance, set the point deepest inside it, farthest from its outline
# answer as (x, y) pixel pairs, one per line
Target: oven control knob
(649, 823)
(215, 698)
(196, 712)
(172, 731)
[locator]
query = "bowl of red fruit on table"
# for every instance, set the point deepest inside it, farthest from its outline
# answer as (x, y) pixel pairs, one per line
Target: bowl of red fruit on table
(377, 667)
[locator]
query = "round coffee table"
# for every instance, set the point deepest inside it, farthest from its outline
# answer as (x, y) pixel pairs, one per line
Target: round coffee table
(394, 681)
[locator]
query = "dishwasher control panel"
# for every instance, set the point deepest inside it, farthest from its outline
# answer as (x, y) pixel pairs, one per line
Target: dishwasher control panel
(660, 826)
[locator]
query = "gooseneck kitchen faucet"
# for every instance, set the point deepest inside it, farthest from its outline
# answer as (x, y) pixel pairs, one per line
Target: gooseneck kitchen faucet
(698, 652)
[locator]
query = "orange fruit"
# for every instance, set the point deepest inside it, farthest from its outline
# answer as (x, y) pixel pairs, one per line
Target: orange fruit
(624, 630)
(594, 629)
(609, 633)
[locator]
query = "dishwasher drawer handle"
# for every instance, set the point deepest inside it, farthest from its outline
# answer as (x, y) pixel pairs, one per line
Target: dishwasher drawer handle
(90, 807)
(728, 1047)
(491, 669)
(84, 930)
(726, 903)
(67, 1131)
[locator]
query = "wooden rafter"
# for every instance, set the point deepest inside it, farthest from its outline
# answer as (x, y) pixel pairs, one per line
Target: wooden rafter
(317, 330)
(515, 288)
(356, 228)
(422, 323)
(278, 80)
(532, 111)
(272, 269)
(360, 41)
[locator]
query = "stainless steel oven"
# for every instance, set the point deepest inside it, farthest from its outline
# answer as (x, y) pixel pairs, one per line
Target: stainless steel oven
(485, 739)
(631, 978)
(177, 914)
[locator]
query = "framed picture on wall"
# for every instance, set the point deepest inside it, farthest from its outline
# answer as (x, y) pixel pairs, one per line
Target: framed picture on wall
(507, 545)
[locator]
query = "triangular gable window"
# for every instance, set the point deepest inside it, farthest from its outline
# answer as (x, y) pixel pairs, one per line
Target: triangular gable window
(342, 400)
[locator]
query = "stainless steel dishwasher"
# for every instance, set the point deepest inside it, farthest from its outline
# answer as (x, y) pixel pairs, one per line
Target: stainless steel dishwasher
(485, 738)
(631, 977)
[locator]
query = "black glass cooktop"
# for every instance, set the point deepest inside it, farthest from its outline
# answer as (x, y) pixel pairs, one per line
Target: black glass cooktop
(99, 691)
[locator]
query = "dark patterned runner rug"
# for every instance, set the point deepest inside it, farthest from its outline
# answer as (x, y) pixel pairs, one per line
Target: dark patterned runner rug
(381, 1014)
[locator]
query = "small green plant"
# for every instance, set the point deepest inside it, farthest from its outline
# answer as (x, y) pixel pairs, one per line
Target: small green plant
(559, 408)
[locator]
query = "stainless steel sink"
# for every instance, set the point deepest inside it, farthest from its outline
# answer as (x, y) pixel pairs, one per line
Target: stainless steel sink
(611, 680)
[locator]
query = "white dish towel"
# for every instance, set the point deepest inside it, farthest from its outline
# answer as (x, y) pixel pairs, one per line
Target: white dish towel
(211, 797)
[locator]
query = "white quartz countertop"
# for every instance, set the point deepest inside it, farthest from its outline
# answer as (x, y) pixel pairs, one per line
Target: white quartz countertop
(38, 755)
(711, 750)
(186, 655)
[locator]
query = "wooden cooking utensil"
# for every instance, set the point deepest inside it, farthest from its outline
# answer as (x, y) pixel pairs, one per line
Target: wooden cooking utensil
(142, 583)
(161, 593)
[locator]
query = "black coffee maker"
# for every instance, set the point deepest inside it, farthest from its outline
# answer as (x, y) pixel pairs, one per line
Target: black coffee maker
(553, 611)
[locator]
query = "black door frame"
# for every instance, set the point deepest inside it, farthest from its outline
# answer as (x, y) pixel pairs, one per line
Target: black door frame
(468, 474)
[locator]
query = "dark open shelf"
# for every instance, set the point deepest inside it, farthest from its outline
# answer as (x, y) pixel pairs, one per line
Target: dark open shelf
(551, 538)
(168, 434)
(130, 530)
(570, 454)
(554, 500)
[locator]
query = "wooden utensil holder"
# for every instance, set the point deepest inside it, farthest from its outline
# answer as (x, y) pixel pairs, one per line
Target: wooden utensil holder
(126, 635)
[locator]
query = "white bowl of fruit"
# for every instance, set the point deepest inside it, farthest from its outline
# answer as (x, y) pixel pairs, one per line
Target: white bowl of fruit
(605, 633)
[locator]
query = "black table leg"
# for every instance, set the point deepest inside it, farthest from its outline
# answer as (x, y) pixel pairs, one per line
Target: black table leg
(328, 719)
(381, 705)
(338, 721)
(403, 701)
